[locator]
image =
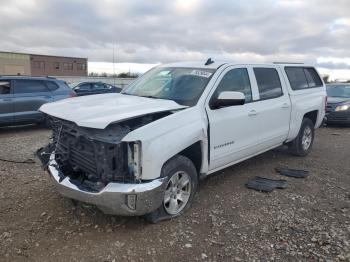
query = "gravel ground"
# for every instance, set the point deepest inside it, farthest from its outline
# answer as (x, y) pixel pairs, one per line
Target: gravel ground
(308, 221)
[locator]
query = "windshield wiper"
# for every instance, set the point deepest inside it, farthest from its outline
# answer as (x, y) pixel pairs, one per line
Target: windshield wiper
(153, 97)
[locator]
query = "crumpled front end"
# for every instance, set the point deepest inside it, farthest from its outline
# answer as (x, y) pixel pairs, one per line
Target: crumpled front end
(125, 199)
(95, 166)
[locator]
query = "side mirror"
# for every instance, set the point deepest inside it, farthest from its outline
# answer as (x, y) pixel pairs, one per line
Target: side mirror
(228, 98)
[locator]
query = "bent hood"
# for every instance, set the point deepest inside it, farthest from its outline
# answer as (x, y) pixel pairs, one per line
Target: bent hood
(98, 111)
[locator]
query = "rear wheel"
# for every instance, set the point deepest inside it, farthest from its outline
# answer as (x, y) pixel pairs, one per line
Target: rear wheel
(182, 182)
(302, 144)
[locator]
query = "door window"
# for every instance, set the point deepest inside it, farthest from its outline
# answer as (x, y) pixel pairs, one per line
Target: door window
(303, 77)
(312, 77)
(5, 87)
(30, 86)
(84, 87)
(269, 83)
(236, 80)
(98, 86)
(296, 77)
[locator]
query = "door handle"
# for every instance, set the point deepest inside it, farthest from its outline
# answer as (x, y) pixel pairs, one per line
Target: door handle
(7, 99)
(252, 113)
(285, 105)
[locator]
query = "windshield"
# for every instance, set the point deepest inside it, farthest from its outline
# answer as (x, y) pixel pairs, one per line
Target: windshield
(182, 85)
(338, 91)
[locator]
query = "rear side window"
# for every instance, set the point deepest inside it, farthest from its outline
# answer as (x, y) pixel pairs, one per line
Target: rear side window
(303, 77)
(269, 83)
(51, 85)
(62, 84)
(30, 86)
(5, 87)
(312, 77)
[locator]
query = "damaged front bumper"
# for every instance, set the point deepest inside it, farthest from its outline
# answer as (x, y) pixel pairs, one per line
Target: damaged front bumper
(124, 199)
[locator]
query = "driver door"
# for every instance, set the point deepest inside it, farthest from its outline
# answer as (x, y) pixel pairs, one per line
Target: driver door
(234, 130)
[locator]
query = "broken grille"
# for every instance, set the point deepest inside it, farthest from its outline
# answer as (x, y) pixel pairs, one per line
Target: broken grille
(82, 157)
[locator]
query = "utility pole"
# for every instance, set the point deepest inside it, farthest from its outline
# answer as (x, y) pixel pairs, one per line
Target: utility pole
(113, 64)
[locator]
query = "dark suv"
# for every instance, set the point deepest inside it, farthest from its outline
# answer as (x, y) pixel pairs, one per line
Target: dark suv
(21, 97)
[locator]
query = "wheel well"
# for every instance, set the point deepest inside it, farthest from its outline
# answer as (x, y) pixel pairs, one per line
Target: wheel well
(194, 153)
(312, 115)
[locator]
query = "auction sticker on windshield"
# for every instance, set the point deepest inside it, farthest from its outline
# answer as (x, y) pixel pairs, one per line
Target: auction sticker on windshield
(201, 73)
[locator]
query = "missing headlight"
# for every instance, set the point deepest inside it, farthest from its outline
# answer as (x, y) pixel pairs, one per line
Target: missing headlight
(134, 159)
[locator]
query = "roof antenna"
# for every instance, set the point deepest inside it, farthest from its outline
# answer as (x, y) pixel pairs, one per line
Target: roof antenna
(209, 62)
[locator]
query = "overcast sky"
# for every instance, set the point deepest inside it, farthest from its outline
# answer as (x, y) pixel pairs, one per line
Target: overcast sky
(161, 31)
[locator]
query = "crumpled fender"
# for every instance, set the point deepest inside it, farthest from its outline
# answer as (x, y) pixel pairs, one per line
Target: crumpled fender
(166, 137)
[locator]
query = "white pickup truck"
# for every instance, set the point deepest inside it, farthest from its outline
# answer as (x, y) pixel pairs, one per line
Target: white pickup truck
(142, 152)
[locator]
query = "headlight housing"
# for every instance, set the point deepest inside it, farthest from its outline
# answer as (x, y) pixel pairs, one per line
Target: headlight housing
(342, 108)
(134, 159)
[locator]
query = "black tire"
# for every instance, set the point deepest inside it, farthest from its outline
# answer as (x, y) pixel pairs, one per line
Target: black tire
(296, 147)
(176, 164)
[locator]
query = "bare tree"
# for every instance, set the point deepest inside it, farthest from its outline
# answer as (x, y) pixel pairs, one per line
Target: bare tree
(325, 78)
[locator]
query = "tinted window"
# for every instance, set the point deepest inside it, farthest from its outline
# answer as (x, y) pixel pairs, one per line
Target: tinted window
(5, 87)
(51, 85)
(297, 78)
(98, 86)
(84, 87)
(63, 84)
(312, 77)
(30, 86)
(302, 78)
(236, 80)
(311, 82)
(269, 83)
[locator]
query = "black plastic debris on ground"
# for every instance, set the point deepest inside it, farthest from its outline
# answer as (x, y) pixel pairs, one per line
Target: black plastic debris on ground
(292, 172)
(27, 161)
(263, 184)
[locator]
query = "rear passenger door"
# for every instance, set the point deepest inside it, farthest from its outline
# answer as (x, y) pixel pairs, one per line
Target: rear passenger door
(6, 102)
(273, 106)
(29, 95)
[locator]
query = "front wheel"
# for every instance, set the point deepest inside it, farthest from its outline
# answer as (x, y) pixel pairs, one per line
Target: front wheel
(302, 144)
(182, 182)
